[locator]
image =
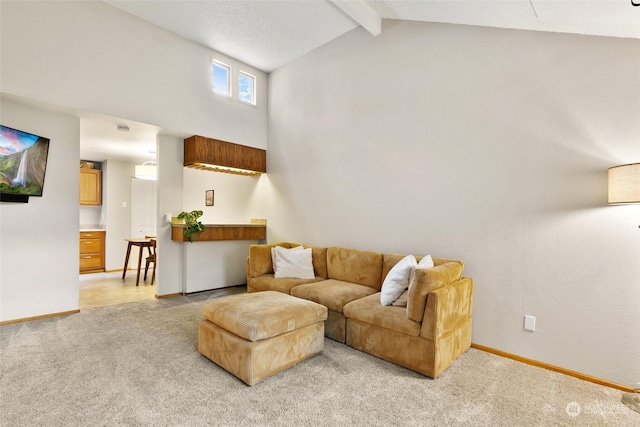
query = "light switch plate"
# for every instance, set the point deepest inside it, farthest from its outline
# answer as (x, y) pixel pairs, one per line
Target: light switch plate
(530, 323)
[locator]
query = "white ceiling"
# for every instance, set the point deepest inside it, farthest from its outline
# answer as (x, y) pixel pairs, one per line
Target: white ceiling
(101, 140)
(268, 34)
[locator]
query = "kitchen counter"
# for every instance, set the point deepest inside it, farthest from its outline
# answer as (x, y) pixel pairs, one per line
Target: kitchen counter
(213, 232)
(92, 227)
(217, 259)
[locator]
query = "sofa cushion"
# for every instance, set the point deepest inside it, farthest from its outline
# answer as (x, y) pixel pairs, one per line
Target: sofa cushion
(397, 280)
(268, 282)
(333, 294)
(260, 258)
(427, 280)
(319, 261)
(262, 315)
(438, 261)
(402, 299)
(355, 266)
(369, 310)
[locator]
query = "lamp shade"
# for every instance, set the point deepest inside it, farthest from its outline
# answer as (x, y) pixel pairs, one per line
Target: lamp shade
(624, 184)
(147, 171)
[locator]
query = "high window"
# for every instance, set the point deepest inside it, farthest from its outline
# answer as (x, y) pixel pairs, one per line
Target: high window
(246, 88)
(221, 78)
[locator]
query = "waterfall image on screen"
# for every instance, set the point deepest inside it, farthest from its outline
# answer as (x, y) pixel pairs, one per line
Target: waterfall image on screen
(23, 162)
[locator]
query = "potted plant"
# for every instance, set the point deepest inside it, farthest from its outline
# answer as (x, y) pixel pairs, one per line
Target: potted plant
(191, 224)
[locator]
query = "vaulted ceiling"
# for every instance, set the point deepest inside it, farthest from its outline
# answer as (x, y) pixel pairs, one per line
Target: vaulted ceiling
(267, 34)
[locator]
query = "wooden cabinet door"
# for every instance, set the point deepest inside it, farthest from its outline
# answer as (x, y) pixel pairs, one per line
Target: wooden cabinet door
(90, 187)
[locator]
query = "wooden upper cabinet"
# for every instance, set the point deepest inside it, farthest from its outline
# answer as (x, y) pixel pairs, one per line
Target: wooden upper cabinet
(222, 156)
(90, 187)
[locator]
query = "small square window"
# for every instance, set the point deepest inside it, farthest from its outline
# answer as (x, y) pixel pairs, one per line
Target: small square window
(221, 78)
(246, 88)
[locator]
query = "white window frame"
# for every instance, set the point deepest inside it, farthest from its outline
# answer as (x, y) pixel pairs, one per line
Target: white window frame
(215, 62)
(253, 87)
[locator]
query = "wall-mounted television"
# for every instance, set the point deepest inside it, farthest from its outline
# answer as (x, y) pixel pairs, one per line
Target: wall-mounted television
(23, 163)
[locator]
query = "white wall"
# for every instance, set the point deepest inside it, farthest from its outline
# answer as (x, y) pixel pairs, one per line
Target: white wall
(90, 216)
(39, 240)
(169, 268)
(233, 196)
(213, 265)
(91, 56)
(482, 144)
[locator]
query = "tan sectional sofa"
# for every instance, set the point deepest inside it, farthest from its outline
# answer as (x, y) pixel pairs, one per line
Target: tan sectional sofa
(425, 336)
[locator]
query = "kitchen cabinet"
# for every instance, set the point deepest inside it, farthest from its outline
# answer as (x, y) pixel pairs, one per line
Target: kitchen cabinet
(90, 187)
(92, 251)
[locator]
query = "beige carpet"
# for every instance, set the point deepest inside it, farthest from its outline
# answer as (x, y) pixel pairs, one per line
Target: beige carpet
(137, 364)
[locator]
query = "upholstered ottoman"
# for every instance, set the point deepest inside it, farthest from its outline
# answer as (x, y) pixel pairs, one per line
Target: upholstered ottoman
(256, 335)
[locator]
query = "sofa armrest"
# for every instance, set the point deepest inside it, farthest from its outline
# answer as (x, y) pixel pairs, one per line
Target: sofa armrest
(448, 308)
(427, 280)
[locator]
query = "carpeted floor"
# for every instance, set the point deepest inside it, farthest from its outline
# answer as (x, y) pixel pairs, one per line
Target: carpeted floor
(137, 364)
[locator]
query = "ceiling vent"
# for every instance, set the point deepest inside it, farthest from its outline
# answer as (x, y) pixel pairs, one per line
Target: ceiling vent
(221, 156)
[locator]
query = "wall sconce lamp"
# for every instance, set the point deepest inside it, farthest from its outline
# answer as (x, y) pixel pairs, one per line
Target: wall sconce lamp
(147, 170)
(624, 188)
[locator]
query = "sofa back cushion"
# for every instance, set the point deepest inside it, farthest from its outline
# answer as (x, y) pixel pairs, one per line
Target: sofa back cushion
(355, 266)
(438, 261)
(319, 256)
(260, 258)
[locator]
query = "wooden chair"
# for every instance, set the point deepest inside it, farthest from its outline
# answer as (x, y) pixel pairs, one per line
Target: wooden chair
(151, 259)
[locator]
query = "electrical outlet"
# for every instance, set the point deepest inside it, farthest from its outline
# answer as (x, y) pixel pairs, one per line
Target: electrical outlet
(530, 323)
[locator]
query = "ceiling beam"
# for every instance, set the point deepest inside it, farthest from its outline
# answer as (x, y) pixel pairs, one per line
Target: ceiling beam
(359, 11)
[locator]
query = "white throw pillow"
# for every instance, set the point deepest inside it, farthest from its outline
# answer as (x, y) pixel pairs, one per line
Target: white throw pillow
(426, 262)
(296, 264)
(273, 255)
(397, 280)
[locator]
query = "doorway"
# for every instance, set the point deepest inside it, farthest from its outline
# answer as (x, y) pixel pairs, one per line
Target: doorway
(108, 288)
(128, 208)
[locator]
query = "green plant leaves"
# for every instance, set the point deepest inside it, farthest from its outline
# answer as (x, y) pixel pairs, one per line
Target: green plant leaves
(192, 225)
